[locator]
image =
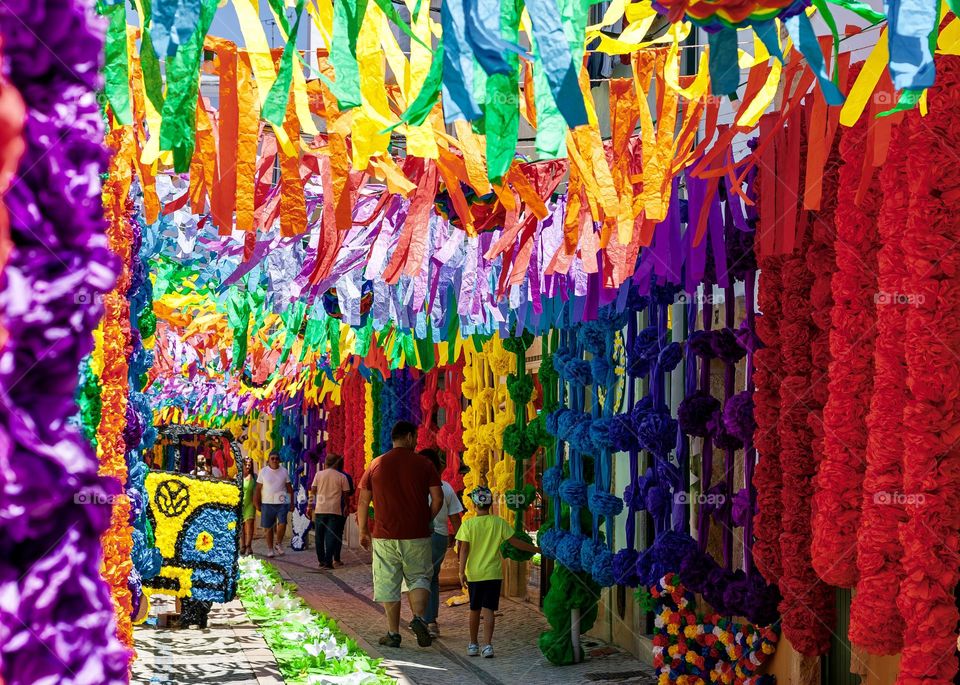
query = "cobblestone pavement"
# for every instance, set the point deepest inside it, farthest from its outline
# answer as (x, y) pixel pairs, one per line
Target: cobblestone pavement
(346, 595)
(229, 652)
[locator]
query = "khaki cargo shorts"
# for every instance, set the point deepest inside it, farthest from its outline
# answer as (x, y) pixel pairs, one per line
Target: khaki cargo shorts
(409, 561)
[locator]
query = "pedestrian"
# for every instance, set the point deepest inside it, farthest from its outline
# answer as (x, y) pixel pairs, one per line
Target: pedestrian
(399, 483)
(274, 498)
(480, 569)
(341, 520)
(451, 511)
(249, 510)
(325, 507)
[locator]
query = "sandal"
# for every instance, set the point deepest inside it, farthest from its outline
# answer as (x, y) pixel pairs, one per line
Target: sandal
(391, 640)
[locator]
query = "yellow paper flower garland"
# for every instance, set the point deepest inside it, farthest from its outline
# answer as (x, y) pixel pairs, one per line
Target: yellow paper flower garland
(367, 424)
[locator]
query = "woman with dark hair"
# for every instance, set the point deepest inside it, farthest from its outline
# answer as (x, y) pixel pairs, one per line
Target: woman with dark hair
(451, 511)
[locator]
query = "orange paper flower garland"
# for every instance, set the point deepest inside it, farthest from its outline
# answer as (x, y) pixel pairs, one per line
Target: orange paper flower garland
(875, 620)
(931, 417)
(117, 540)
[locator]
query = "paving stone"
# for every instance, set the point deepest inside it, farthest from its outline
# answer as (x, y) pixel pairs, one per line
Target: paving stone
(228, 652)
(345, 595)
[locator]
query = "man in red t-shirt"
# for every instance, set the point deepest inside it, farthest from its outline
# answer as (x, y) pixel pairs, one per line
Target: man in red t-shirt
(399, 482)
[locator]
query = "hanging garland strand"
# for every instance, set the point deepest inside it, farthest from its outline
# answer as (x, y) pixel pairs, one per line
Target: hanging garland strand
(519, 441)
(111, 447)
(57, 618)
(931, 449)
(876, 623)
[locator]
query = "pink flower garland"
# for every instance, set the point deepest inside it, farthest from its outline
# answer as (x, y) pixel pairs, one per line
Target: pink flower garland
(836, 504)
(875, 621)
(931, 418)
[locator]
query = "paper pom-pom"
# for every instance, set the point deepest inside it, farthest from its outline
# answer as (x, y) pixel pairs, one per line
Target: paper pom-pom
(560, 357)
(738, 416)
(593, 337)
(625, 567)
(635, 494)
(603, 503)
(518, 345)
(722, 439)
(517, 443)
(701, 343)
(553, 421)
(551, 481)
(669, 357)
(656, 431)
(568, 551)
(600, 368)
(695, 411)
(622, 434)
(644, 350)
(547, 373)
(741, 507)
(567, 421)
(664, 556)
(537, 431)
(573, 492)
(600, 432)
(578, 371)
(657, 501)
(520, 388)
(726, 346)
(547, 541)
(579, 436)
(597, 560)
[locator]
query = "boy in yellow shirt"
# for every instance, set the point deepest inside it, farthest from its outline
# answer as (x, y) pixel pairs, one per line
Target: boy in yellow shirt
(480, 568)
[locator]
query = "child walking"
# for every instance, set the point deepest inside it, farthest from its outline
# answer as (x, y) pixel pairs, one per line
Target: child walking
(480, 568)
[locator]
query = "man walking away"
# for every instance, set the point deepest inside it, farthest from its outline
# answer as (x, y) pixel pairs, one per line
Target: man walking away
(326, 494)
(399, 482)
(274, 498)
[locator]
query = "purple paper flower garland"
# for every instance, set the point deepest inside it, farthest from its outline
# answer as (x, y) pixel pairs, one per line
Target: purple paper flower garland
(57, 616)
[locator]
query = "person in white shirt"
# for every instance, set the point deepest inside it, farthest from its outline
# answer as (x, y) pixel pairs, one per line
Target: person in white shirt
(451, 511)
(274, 498)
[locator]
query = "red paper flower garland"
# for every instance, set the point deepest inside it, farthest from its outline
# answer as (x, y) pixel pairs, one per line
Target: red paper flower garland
(427, 434)
(354, 415)
(336, 428)
(931, 418)
(808, 603)
(837, 499)
(766, 399)
(821, 261)
(450, 437)
(875, 621)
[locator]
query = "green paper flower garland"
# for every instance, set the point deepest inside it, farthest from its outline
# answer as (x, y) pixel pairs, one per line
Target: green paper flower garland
(519, 441)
